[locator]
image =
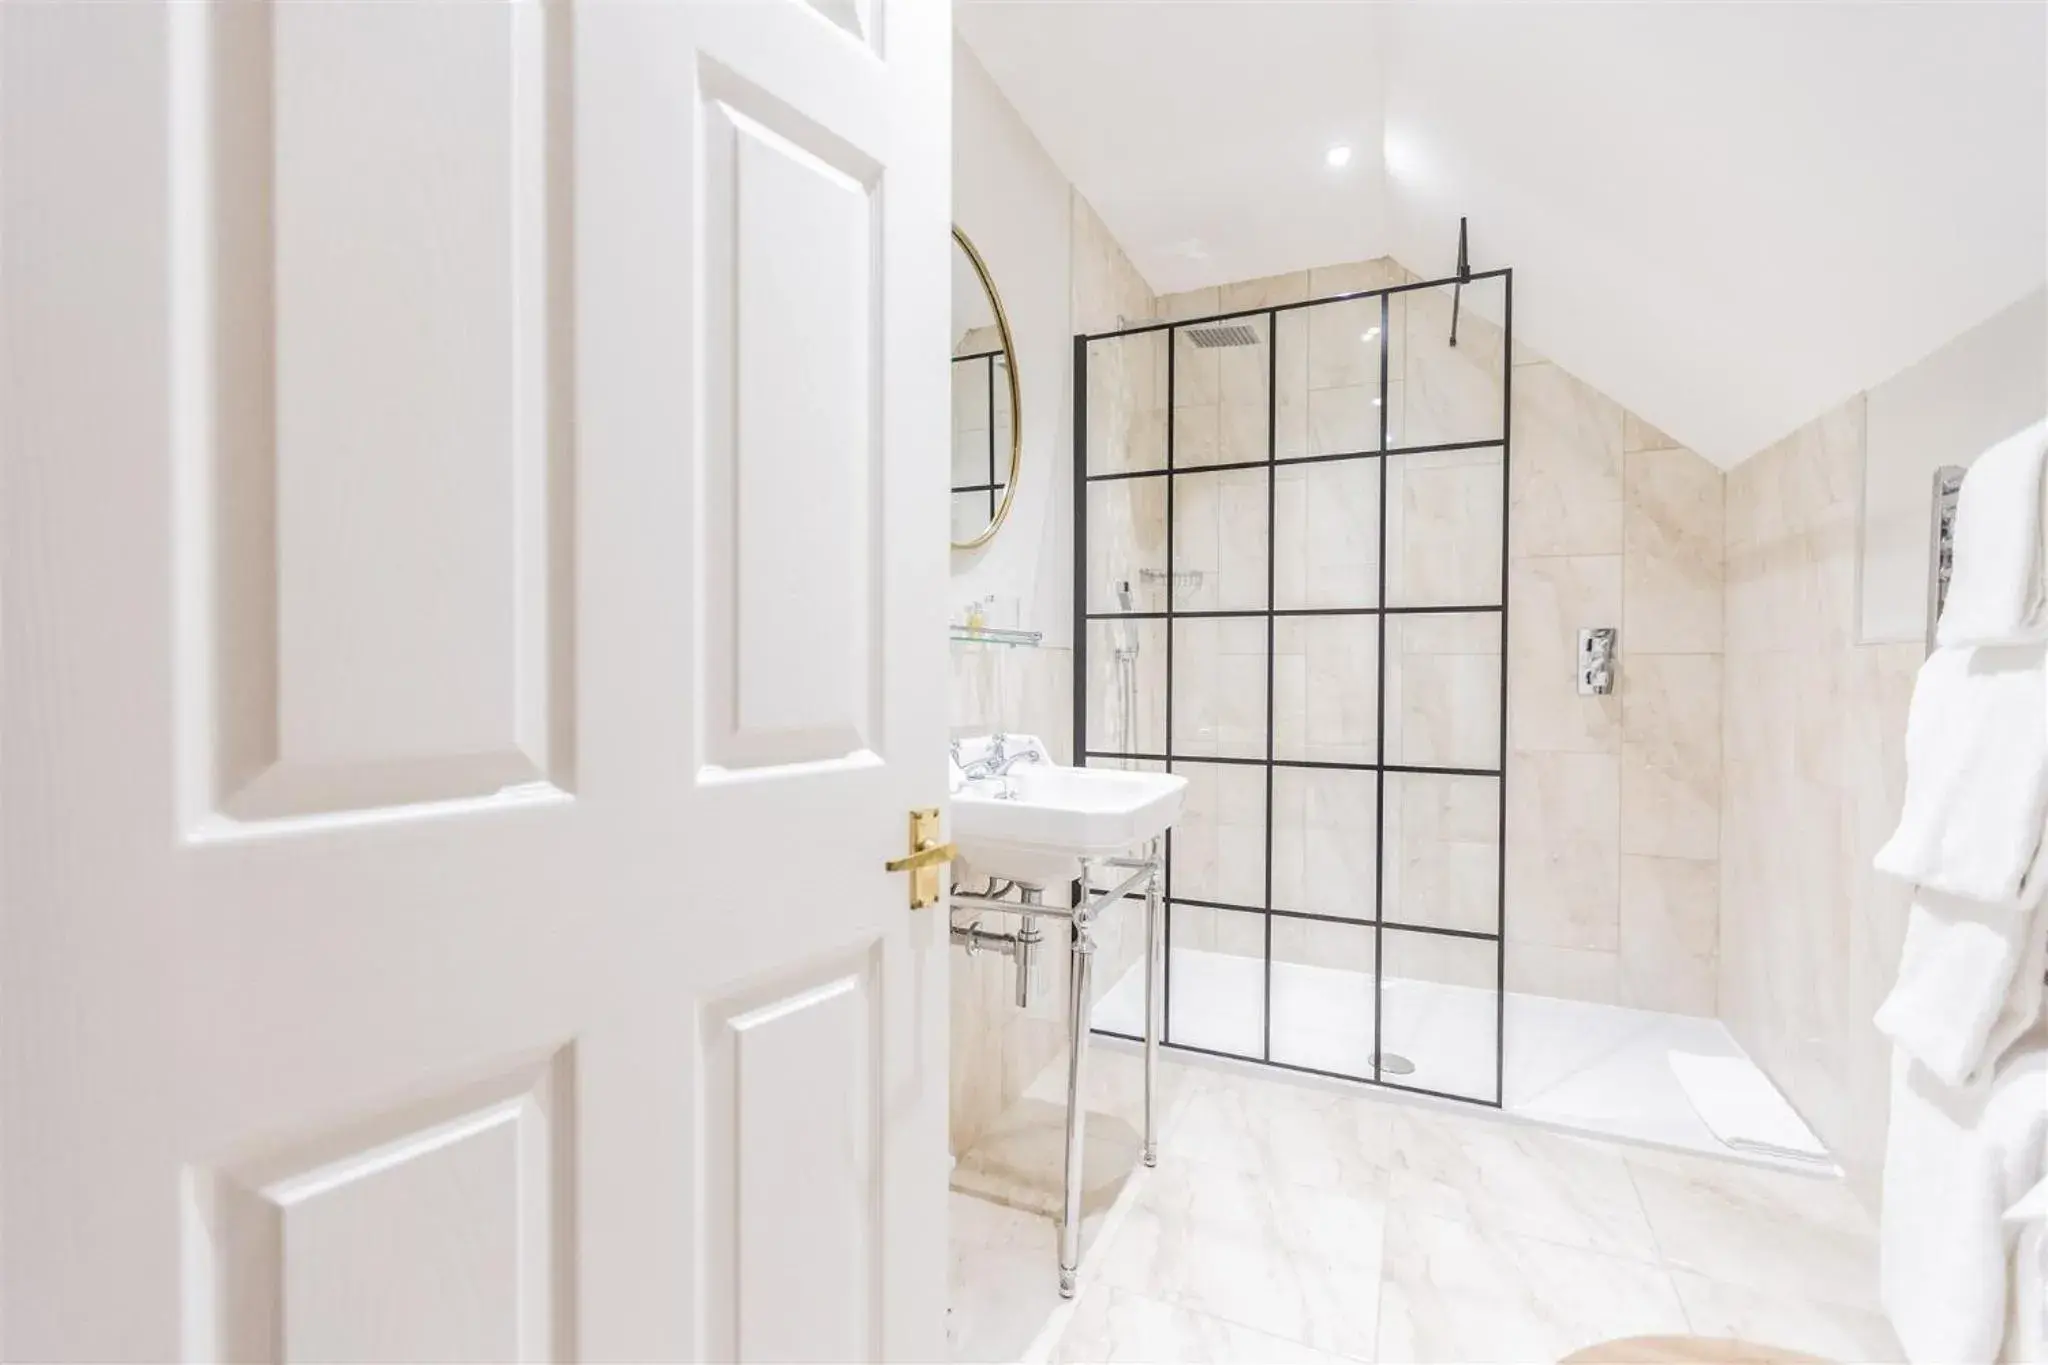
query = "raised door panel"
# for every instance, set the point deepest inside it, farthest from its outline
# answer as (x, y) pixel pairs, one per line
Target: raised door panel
(375, 531)
(437, 1231)
(791, 283)
(791, 1167)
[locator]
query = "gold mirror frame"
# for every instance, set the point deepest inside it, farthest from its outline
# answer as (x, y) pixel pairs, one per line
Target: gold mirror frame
(995, 298)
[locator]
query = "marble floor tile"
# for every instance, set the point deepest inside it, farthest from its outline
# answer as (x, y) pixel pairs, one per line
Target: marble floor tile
(1112, 1325)
(1306, 1136)
(1759, 1229)
(1520, 1180)
(1454, 1293)
(1002, 1279)
(1298, 1261)
(1821, 1329)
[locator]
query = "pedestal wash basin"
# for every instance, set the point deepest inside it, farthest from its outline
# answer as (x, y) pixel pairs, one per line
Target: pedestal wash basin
(1037, 823)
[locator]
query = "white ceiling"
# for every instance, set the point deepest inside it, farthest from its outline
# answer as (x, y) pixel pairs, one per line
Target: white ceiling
(1728, 217)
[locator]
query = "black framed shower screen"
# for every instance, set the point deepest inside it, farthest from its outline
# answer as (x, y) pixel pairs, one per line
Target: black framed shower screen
(1090, 748)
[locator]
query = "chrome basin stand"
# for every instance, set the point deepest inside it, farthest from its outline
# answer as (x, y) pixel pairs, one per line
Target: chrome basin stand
(1144, 874)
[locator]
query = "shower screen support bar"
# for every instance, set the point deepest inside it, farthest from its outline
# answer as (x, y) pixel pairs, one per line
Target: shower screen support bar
(1458, 288)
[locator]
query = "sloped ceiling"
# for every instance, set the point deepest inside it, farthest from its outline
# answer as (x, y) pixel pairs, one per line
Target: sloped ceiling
(1728, 217)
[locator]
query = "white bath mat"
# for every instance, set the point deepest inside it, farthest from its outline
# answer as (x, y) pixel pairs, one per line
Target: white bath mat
(1742, 1108)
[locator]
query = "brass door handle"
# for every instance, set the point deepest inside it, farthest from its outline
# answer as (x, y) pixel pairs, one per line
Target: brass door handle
(924, 857)
(927, 855)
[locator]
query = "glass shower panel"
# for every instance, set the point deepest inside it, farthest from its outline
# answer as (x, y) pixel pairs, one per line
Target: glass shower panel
(1442, 864)
(1324, 841)
(1448, 393)
(1445, 529)
(1220, 519)
(1219, 843)
(1216, 970)
(1220, 373)
(1443, 680)
(1326, 520)
(1326, 688)
(1126, 711)
(1327, 375)
(1440, 1012)
(1127, 544)
(1322, 995)
(1219, 687)
(1127, 403)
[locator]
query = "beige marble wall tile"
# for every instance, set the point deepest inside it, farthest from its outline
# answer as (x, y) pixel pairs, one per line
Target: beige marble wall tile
(1567, 973)
(1673, 559)
(1264, 292)
(1564, 856)
(1636, 434)
(1566, 497)
(1671, 755)
(1670, 931)
(1353, 276)
(1813, 729)
(1108, 291)
(1190, 303)
(1791, 538)
(1549, 602)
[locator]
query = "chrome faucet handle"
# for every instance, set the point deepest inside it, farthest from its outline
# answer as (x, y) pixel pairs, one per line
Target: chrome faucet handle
(956, 753)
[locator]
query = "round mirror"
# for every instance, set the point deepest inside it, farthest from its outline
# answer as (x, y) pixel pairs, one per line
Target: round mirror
(987, 442)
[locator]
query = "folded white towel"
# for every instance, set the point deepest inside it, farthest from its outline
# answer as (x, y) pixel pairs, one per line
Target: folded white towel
(1998, 579)
(1976, 773)
(1969, 982)
(1955, 1161)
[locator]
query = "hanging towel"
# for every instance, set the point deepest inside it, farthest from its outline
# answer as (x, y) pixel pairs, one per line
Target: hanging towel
(1998, 579)
(1976, 774)
(1955, 1161)
(1969, 982)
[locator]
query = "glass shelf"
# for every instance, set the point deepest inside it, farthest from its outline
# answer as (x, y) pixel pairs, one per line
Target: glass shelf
(994, 635)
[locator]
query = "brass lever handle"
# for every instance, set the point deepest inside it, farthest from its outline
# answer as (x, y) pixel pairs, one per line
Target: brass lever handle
(925, 858)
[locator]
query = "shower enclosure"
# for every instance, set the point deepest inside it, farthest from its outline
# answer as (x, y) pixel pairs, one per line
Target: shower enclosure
(1291, 587)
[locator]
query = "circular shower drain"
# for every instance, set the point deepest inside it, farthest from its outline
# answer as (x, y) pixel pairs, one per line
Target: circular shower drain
(1393, 1064)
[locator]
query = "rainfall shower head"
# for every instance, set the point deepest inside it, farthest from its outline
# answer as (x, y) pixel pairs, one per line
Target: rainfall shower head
(1221, 334)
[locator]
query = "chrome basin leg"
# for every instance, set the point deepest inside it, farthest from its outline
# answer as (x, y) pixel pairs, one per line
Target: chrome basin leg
(1153, 920)
(1081, 957)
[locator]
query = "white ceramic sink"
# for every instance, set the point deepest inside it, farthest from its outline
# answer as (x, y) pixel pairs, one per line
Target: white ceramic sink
(1038, 824)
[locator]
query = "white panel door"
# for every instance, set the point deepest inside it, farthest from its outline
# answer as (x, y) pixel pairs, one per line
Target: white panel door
(471, 570)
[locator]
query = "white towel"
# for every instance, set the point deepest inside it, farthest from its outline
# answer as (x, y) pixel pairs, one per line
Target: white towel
(1976, 773)
(1969, 982)
(1955, 1161)
(1998, 580)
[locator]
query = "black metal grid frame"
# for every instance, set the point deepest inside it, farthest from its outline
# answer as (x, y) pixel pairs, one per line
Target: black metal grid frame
(1273, 463)
(994, 487)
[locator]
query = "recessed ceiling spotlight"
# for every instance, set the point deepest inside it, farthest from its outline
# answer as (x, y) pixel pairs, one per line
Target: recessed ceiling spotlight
(1339, 155)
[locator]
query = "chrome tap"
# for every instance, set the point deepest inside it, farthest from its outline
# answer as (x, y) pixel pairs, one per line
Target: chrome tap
(998, 761)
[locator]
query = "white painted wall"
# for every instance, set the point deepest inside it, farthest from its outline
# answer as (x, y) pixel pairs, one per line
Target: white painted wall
(1947, 408)
(1010, 198)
